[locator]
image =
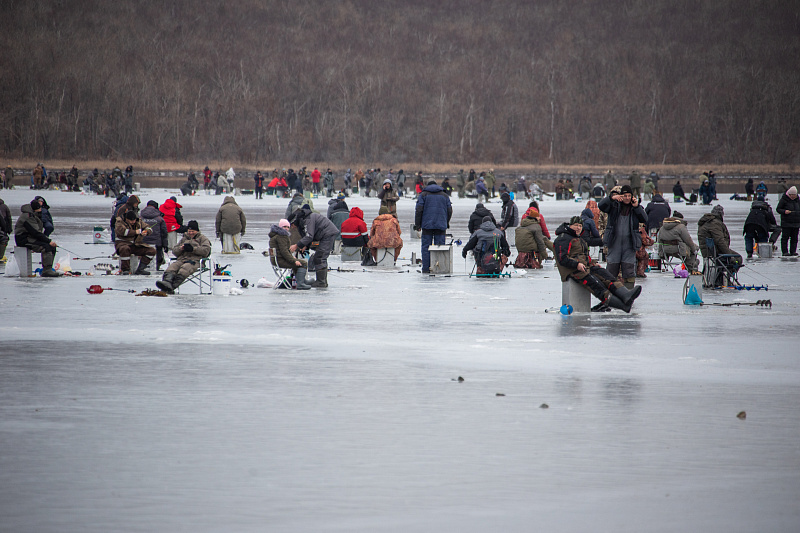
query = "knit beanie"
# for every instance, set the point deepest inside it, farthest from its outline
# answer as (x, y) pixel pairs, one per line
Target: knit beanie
(283, 223)
(792, 190)
(193, 225)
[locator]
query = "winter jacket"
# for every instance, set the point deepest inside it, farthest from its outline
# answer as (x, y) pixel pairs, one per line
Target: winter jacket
(637, 215)
(590, 233)
(487, 233)
(230, 218)
(571, 249)
(481, 187)
(760, 216)
(749, 188)
(29, 228)
(673, 232)
(201, 248)
(336, 205)
(389, 200)
(315, 176)
(677, 190)
(168, 210)
(295, 203)
(528, 237)
(649, 187)
(126, 232)
(433, 209)
(509, 216)
(476, 218)
(657, 211)
(705, 192)
(280, 241)
(711, 226)
(47, 218)
(5, 219)
(151, 217)
(792, 220)
(385, 232)
(317, 227)
(354, 229)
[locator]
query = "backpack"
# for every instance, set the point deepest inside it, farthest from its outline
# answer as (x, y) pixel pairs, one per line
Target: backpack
(489, 262)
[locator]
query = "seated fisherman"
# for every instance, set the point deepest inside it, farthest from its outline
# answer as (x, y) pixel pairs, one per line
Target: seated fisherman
(193, 247)
(490, 246)
(280, 241)
(574, 262)
(354, 231)
(385, 233)
(130, 234)
(711, 226)
(676, 241)
(29, 233)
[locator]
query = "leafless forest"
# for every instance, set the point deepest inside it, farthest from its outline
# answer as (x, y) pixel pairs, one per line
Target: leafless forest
(537, 82)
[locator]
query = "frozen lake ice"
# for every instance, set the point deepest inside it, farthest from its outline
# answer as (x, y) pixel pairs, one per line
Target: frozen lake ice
(338, 409)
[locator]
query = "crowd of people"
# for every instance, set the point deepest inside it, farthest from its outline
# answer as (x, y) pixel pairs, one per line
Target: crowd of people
(616, 223)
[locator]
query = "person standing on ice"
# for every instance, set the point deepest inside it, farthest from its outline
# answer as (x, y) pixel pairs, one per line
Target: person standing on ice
(315, 228)
(432, 216)
(574, 262)
(622, 232)
(316, 176)
(5, 229)
(193, 247)
(230, 225)
(230, 177)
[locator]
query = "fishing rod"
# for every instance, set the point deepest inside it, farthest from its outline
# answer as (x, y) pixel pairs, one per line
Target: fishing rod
(758, 303)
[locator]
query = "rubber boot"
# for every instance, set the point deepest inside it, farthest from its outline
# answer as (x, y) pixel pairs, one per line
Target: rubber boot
(142, 269)
(616, 303)
(166, 283)
(301, 280)
(322, 278)
(626, 296)
(630, 283)
(602, 306)
(125, 267)
(47, 266)
(176, 281)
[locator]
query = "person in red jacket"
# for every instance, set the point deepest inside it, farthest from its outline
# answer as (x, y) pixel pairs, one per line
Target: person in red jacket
(316, 175)
(354, 231)
(535, 205)
(170, 210)
(206, 180)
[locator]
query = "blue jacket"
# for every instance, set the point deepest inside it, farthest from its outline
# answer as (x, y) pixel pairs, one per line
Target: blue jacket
(433, 210)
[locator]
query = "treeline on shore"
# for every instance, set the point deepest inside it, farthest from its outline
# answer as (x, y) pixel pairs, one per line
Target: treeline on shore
(548, 82)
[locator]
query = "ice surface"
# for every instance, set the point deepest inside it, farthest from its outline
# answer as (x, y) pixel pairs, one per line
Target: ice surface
(337, 409)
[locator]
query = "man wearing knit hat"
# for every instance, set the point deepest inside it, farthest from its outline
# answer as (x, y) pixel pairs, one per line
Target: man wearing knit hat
(789, 210)
(189, 252)
(29, 233)
(574, 262)
(711, 226)
(622, 232)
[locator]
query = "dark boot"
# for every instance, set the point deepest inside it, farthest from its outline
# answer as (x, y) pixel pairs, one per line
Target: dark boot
(177, 280)
(630, 283)
(125, 267)
(602, 306)
(322, 278)
(616, 303)
(626, 295)
(166, 283)
(142, 270)
(47, 266)
(301, 280)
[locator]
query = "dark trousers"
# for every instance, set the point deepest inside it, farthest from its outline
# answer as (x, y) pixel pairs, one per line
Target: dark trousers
(259, 192)
(598, 280)
(319, 261)
(430, 236)
(789, 240)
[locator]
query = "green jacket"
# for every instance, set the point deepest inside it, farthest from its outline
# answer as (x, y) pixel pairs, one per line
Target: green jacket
(528, 237)
(710, 225)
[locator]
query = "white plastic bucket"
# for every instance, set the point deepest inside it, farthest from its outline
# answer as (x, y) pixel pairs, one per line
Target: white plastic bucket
(221, 285)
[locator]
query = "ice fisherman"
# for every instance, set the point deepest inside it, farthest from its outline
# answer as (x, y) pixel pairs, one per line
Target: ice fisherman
(432, 216)
(315, 228)
(622, 232)
(574, 262)
(231, 224)
(385, 233)
(677, 242)
(29, 233)
(194, 247)
(789, 210)
(279, 241)
(130, 234)
(489, 248)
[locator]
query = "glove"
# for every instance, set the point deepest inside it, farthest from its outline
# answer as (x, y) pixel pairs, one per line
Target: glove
(188, 247)
(464, 254)
(417, 228)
